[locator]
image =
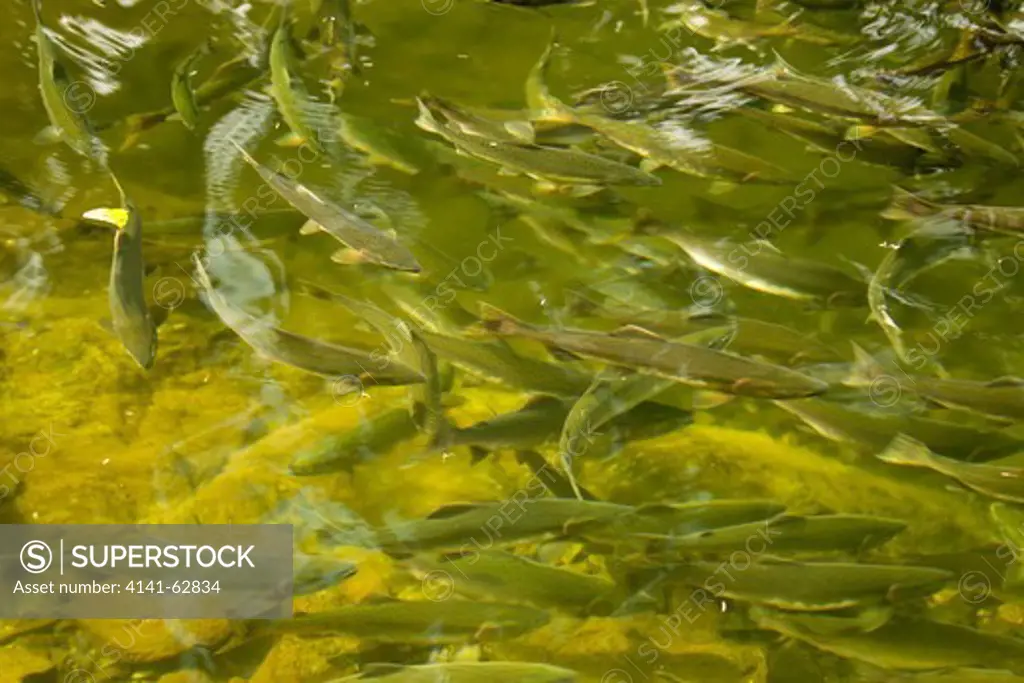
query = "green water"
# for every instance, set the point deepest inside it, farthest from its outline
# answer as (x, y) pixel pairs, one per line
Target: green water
(206, 435)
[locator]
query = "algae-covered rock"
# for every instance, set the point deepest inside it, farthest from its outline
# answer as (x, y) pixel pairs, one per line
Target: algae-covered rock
(94, 425)
(374, 577)
(406, 482)
(139, 641)
(12, 628)
(18, 663)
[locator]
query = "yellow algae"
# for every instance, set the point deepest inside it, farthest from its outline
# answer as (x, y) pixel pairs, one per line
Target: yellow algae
(150, 640)
(110, 423)
(12, 628)
(19, 664)
(374, 577)
(255, 479)
(186, 676)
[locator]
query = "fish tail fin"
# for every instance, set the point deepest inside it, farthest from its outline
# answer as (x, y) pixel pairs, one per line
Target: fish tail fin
(865, 368)
(906, 205)
(539, 99)
(478, 454)
(442, 437)
(904, 450)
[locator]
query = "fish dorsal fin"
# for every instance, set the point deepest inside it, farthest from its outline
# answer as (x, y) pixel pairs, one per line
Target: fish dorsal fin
(649, 165)
(783, 520)
(776, 560)
(457, 555)
(348, 257)
(765, 244)
(1008, 381)
(491, 312)
(637, 331)
(781, 65)
(865, 367)
(452, 510)
(906, 450)
(709, 315)
(656, 509)
(538, 401)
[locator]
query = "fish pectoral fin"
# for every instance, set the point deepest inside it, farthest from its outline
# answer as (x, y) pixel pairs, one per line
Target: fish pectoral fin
(580, 191)
(720, 187)
(865, 367)
(290, 139)
(310, 227)
(905, 450)
(49, 135)
(493, 319)
(347, 256)
(522, 130)
(545, 187)
(706, 400)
